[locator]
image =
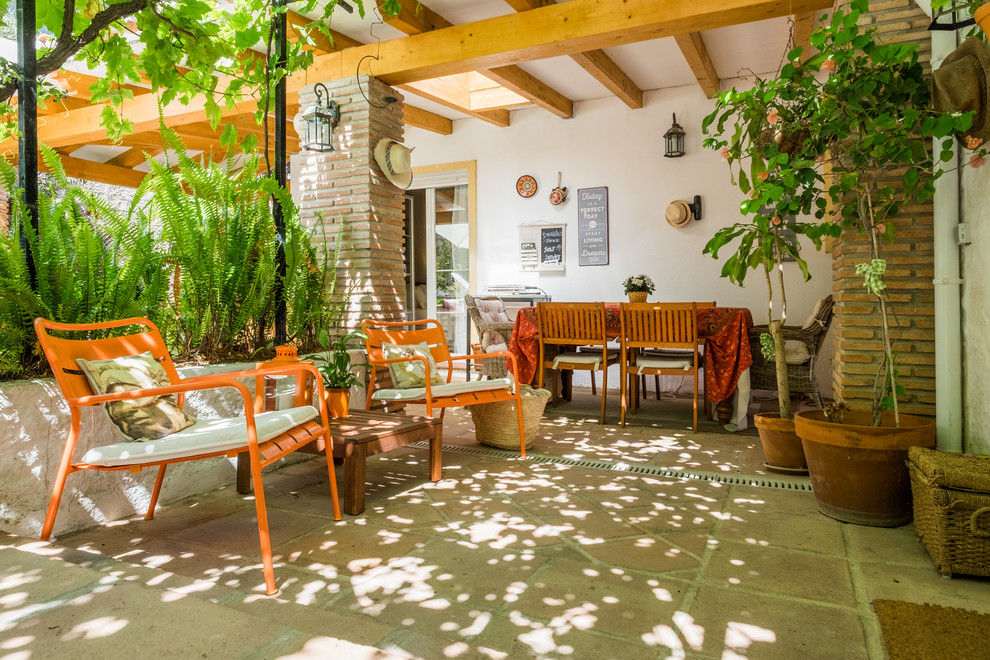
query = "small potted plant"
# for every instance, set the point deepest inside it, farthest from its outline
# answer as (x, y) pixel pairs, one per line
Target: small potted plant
(334, 363)
(638, 287)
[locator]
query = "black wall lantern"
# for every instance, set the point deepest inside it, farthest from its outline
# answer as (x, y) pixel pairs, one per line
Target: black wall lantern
(674, 141)
(315, 123)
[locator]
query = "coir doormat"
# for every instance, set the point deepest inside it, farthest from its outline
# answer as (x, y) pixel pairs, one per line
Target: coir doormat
(912, 631)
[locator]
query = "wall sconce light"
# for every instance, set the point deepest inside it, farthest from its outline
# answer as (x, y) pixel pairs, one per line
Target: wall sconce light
(674, 141)
(315, 123)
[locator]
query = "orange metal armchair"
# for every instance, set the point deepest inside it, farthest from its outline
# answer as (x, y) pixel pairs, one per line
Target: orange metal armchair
(264, 436)
(410, 350)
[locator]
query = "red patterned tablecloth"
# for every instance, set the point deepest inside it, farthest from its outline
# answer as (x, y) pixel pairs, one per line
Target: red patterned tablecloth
(724, 330)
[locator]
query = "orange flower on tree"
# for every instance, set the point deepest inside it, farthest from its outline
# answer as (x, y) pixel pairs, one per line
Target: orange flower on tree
(772, 117)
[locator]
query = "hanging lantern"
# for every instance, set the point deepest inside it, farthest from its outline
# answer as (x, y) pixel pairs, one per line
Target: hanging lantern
(674, 141)
(315, 123)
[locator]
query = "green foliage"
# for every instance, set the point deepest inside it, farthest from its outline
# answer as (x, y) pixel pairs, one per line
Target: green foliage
(823, 138)
(92, 263)
(183, 50)
(334, 363)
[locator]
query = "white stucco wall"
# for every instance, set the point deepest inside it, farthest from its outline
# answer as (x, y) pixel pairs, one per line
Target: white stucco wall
(976, 311)
(608, 144)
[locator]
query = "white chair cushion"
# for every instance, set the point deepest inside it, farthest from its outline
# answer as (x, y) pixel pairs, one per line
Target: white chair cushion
(492, 311)
(450, 389)
(796, 352)
(663, 363)
(811, 321)
(580, 358)
(495, 348)
(203, 437)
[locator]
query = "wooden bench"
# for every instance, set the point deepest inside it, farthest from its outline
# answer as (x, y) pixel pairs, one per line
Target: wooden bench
(362, 434)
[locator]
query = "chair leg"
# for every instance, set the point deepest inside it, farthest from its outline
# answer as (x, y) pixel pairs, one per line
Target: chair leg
(623, 384)
(656, 384)
(695, 401)
(601, 418)
(593, 392)
(60, 477)
(156, 492)
(555, 378)
(334, 499)
(642, 391)
(267, 564)
(522, 433)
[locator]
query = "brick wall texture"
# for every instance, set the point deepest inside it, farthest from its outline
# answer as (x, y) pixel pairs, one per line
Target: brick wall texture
(344, 196)
(910, 269)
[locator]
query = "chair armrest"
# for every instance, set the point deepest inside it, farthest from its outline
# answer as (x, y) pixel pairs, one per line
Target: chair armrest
(808, 336)
(496, 326)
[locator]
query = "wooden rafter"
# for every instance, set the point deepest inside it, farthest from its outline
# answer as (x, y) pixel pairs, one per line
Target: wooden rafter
(559, 29)
(439, 91)
(804, 25)
(597, 63)
(416, 18)
(89, 170)
(694, 51)
(134, 156)
(428, 121)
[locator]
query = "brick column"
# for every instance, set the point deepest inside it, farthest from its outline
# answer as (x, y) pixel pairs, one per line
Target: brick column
(345, 190)
(910, 269)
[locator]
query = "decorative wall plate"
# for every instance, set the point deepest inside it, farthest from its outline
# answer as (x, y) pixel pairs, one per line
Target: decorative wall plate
(526, 186)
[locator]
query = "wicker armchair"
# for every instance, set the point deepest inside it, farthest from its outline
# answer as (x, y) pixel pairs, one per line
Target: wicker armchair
(491, 332)
(804, 344)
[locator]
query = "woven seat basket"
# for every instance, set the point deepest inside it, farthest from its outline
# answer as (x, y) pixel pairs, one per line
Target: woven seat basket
(952, 509)
(496, 424)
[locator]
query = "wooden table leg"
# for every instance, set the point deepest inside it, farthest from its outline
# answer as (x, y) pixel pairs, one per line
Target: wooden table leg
(355, 458)
(436, 453)
(243, 473)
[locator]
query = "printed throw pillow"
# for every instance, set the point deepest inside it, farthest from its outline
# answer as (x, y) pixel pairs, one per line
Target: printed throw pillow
(146, 418)
(492, 311)
(411, 374)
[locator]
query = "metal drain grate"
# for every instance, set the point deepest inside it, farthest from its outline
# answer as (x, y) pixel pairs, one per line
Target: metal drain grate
(618, 466)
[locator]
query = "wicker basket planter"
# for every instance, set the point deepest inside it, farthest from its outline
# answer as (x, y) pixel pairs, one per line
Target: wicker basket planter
(638, 296)
(952, 509)
(496, 423)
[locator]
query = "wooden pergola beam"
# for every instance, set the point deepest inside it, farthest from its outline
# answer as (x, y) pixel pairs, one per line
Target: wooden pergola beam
(88, 170)
(603, 69)
(558, 29)
(426, 120)
(416, 18)
(439, 91)
(694, 51)
(803, 26)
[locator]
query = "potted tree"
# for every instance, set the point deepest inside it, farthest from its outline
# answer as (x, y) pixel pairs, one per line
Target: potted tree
(843, 123)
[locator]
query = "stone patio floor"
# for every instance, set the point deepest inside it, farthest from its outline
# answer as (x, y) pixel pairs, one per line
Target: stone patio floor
(642, 542)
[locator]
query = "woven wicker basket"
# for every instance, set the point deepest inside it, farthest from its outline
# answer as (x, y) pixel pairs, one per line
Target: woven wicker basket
(496, 423)
(638, 296)
(952, 509)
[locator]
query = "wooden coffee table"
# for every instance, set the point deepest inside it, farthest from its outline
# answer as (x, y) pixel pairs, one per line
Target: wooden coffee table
(362, 434)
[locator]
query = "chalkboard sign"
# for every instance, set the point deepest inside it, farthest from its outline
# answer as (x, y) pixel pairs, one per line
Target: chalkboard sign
(592, 226)
(541, 247)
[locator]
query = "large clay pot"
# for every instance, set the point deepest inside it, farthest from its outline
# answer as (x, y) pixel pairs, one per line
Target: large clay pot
(781, 445)
(858, 471)
(338, 400)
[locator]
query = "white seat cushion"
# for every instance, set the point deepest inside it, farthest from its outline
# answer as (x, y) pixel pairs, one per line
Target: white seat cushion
(796, 352)
(450, 389)
(496, 348)
(580, 358)
(663, 363)
(203, 437)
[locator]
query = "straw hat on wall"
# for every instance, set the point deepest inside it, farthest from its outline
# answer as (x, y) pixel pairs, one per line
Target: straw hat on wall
(393, 158)
(960, 85)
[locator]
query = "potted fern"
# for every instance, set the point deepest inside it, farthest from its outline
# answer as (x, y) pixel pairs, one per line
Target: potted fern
(838, 126)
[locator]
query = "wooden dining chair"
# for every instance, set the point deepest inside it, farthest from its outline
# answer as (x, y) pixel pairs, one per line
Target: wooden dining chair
(411, 351)
(701, 357)
(566, 327)
(127, 369)
(655, 327)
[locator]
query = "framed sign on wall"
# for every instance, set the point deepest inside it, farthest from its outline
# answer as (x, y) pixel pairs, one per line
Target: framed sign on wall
(592, 226)
(541, 247)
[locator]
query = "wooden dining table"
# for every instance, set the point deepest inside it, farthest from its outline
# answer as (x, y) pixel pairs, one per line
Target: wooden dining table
(724, 329)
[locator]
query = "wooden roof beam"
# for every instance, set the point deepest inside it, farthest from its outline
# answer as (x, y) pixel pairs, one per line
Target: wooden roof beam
(694, 51)
(601, 67)
(802, 27)
(559, 29)
(416, 18)
(134, 156)
(436, 91)
(89, 170)
(426, 120)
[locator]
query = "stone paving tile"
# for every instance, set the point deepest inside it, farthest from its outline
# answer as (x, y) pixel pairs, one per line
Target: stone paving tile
(518, 636)
(923, 585)
(889, 545)
(816, 533)
(495, 521)
(600, 598)
(729, 624)
(755, 499)
(643, 553)
(780, 572)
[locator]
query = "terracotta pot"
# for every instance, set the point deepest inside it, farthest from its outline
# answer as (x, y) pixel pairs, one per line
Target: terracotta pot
(637, 296)
(781, 445)
(982, 18)
(858, 471)
(338, 400)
